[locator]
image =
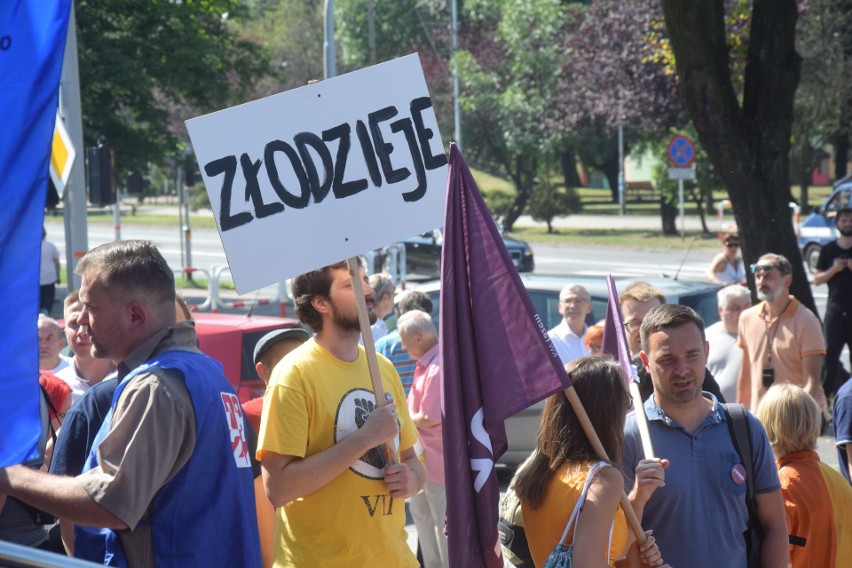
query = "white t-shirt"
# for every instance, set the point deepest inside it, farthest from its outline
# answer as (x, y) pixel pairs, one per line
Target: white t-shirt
(49, 258)
(725, 359)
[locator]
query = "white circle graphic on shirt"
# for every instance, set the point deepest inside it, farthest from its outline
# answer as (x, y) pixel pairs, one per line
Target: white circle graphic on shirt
(352, 412)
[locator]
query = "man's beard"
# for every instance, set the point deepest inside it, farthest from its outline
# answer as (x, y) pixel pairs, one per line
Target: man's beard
(350, 322)
(845, 232)
(770, 294)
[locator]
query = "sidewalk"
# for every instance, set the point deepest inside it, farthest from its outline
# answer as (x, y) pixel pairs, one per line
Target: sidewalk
(629, 221)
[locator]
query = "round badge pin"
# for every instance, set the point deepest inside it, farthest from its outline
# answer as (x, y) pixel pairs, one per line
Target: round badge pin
(738, 474)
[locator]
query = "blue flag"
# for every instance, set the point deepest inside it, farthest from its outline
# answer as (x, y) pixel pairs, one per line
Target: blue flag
(32, 41)
(496, 358)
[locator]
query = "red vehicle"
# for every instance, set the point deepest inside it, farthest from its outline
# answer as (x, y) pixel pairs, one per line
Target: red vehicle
(230, 339)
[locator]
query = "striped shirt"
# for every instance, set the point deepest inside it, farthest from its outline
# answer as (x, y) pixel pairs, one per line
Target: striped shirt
(779, 343)
(391, 347)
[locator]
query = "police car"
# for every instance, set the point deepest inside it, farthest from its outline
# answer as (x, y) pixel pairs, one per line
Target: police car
(818, 229)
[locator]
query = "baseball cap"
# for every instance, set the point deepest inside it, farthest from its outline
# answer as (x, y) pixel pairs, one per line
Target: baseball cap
(277, 335)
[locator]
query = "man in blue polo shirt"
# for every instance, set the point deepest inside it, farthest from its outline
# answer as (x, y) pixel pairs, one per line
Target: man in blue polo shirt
(693, 495)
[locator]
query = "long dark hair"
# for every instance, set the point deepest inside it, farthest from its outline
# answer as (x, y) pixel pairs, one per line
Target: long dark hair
(561, 440)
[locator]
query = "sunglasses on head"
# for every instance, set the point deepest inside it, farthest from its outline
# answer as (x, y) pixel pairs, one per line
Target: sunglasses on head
(761, 267)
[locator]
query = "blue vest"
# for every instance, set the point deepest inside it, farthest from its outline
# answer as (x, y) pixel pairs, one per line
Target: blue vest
(204, 515)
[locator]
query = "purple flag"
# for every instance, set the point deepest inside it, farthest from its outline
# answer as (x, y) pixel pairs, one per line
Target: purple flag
(614, 339)
(497, 360)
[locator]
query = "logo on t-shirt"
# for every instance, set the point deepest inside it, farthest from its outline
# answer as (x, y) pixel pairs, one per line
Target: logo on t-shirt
(352, 412)
(236, 424)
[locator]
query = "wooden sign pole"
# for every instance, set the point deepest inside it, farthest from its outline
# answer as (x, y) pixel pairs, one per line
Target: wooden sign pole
(369, 346)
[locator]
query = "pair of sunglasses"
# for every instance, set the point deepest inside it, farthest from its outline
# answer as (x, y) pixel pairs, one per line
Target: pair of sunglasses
(761, 267)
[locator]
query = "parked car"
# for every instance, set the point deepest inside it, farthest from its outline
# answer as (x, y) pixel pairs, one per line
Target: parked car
(423, 255)
(818, 229)
(522, 428)
(230, 339)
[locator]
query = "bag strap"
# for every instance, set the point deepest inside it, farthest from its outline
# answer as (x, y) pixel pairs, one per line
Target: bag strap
(52, 408)
(575, 514)
(741, 437)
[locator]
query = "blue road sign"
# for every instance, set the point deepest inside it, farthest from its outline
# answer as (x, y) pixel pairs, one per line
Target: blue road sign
(681, 151)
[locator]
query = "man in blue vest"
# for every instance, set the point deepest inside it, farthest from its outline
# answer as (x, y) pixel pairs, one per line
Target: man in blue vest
(169, 480)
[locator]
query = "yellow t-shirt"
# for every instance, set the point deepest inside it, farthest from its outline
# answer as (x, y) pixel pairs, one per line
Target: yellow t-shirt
(544, 526)
(315, 399)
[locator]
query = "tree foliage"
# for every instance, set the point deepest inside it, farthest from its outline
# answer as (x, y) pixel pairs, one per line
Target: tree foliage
(141, 61)
(823, 108)
(509, 89)
(747, 138)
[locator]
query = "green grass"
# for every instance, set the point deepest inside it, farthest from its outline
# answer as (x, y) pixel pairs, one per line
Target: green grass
(634, 239)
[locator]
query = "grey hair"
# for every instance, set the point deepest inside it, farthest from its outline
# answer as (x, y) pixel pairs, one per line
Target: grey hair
(781, 263)
(416, 322)
(575, 289)
(732, 292)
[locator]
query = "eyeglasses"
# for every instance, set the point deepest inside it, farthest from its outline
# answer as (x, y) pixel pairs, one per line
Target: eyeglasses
(732, 245)
(755, 268)
(632, 325)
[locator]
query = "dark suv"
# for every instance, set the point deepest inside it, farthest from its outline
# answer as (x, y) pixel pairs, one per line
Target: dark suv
(423, 255)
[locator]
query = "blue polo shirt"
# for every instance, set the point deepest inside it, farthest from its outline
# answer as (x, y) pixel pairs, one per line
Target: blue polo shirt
(700, 515)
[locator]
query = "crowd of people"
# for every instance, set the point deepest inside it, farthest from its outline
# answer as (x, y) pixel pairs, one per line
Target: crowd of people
(147, 451)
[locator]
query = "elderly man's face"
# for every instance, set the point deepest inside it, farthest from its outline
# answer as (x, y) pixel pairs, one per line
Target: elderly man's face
(49, 345)
(730, 314)
(769, 281)
(574, 307)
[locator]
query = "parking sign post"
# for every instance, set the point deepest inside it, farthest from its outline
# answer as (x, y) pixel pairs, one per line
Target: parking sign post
(681, 153)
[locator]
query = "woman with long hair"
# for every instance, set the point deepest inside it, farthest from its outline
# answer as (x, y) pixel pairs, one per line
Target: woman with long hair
(551, 482)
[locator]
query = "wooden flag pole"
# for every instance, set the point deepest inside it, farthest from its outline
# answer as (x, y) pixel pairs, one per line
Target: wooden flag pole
(641, 420)
(369, 346)
(592, 435)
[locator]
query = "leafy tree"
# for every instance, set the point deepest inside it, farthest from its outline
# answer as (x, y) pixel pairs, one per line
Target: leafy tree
(399, 27)
(510, 80)
(141, 60)
(615, 74)
(823, 107)
(747, 140)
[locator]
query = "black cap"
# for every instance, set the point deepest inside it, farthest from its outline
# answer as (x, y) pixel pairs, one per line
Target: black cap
(277, 335)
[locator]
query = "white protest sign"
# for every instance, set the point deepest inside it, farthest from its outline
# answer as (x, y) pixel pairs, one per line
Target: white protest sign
(331, 170)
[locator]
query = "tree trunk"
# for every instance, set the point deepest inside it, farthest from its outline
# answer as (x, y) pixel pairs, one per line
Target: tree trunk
(609, 167)
(750, 144)
(699, 205)
(668, 216)
(568, 163)
(522, 174)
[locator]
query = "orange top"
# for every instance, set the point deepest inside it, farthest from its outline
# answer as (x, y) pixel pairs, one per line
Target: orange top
(818, 502)
(544, 526)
